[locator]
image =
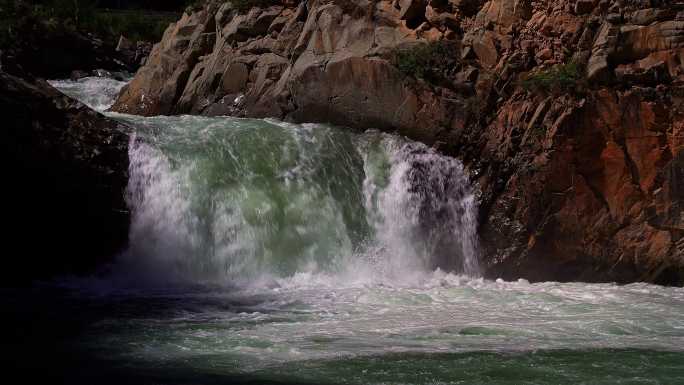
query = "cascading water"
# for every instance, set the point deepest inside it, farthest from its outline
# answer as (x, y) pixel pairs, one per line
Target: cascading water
(236, 199)
(248, 200)
(265, 252)
(97, 93)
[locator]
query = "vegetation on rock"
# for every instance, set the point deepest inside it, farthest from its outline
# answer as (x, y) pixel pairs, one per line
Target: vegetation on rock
(19, 18)
(433, 62)
(562, 78)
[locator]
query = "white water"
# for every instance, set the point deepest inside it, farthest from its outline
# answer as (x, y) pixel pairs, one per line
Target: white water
(313, 246)
(246, 202)
(97, 93)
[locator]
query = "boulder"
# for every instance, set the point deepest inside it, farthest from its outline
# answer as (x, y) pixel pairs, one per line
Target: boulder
(158, 85)
(66, 170)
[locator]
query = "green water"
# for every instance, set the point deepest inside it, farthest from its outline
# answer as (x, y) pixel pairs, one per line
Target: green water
(270, 253)
(450, 330)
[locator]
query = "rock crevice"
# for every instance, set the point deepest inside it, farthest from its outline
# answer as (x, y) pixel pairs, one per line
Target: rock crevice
(568, 114)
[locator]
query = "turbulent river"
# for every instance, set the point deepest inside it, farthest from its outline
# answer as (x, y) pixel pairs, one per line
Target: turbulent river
(269, 252)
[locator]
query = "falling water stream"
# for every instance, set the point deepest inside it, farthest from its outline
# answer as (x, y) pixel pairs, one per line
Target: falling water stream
(269, 252)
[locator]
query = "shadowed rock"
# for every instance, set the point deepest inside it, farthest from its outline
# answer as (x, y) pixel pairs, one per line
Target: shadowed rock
(65, 171)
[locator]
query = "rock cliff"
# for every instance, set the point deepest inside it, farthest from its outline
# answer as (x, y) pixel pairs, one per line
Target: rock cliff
(65, 172)
(568, 114)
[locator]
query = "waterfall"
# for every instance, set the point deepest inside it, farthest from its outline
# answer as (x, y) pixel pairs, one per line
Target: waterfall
(98, 93)
(237, 199)
(241, 200)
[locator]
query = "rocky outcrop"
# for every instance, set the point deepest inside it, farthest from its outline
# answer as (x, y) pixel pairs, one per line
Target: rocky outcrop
(579, 173)
(65, 174)
(133, 53)
(582, 186)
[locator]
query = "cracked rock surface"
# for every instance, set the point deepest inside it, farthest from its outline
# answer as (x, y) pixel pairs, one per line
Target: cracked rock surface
(577, 183)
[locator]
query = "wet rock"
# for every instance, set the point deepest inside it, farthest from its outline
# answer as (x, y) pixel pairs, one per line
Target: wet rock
(65, 168)
(78, 74)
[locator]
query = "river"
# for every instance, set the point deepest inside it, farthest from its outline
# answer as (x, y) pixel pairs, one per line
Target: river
(270, 252)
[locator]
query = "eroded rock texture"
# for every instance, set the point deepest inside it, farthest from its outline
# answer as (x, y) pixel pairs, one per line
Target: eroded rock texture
(581, 182)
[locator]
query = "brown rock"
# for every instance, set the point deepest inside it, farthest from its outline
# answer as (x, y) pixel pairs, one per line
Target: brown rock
(651, 15)
(483, 44)
(585, 6)
(545, 54)
(598, 68)
(571, 188)
(156, 86)
(235, 78)
(504, 14)
(442, 20)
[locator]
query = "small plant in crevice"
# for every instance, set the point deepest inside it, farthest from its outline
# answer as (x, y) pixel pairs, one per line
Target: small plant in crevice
(562, 78)
(434, 62)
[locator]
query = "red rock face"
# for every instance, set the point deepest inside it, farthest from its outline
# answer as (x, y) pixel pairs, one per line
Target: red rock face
(588, 205)
(579, 180)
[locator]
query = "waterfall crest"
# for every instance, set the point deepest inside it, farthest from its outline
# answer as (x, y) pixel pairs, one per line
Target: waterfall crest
(238, 199)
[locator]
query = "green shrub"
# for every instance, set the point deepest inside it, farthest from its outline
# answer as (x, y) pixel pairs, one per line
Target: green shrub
(75, 12)
(557, 79)
(23, 19)
(433, 62)
(9, 13)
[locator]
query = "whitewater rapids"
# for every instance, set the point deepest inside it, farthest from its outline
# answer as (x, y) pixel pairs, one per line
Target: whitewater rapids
(286, 253)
